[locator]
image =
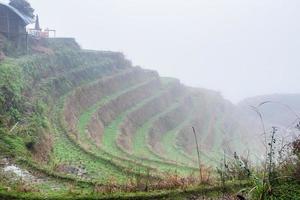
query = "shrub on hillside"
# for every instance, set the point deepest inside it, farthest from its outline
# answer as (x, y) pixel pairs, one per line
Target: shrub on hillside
(296, 152)
(11, 103)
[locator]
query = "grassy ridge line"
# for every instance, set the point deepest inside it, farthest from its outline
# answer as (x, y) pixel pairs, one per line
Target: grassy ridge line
(205, 156)
(25, 159)
(108, 159)
(109, 164)
(209, 157)
(105, 78)
(39, 66)
(66, 72)
(193, 157)
(85, 118)
(66, 150)
(163, 158)
(169, 143)
(133, 164)
(203, 135)
(141, 148)
(116, 148)
(45, 82)
(112, 131)
(44, 170)
(207, 191)
(216, 153)
(157, 163)
(64, 144)
(219, 137)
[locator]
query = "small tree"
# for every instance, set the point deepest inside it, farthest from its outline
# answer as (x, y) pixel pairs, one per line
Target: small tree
(23, 6)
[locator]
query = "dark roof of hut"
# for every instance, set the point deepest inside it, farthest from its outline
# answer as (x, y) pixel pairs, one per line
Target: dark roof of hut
(26, 19)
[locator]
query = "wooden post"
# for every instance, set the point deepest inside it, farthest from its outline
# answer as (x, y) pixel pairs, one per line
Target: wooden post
(198, 153)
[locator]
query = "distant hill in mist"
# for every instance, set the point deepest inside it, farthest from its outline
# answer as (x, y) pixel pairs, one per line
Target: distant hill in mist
(280, 111)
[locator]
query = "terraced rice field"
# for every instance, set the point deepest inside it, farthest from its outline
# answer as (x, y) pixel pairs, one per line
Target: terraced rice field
(110, 156)
(169, 142)
(111, 133)
(111, 122)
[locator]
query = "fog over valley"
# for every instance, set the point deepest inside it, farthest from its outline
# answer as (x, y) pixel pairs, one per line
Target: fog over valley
(239, 48)
(150, 99)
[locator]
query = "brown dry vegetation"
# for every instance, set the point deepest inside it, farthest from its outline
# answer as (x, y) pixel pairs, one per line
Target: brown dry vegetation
(42, 149)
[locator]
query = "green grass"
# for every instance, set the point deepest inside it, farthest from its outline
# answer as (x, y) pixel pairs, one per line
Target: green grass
(66, 152)
(111, 133)
(210, 192)
(109, 148)
(208, 157)
(11, 144)
(86, 116)
(142, 150)
(140, 145)
(214, 155)
(169, 141)
(217, 148)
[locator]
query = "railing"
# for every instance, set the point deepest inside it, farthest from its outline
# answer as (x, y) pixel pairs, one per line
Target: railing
(47, 33)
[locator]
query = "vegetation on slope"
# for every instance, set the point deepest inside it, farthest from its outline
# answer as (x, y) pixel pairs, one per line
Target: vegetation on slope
(64, 161)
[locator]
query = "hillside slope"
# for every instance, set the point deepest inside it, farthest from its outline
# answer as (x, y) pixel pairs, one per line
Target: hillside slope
(90, 117)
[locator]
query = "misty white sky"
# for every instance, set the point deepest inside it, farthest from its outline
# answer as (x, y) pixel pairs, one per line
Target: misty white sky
(238, 47)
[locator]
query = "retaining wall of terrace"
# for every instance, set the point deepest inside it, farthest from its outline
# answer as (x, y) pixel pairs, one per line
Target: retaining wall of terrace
(87, 96)
(115, 107)
(169, 122)
(138, 117)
